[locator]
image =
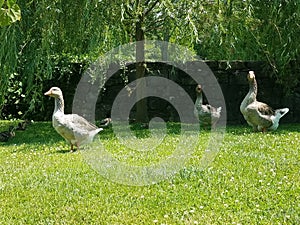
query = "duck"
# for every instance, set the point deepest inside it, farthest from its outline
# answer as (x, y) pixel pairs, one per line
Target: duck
(6, 135)
(105, 122)
(259, 115)
(207, 114)
(75, 129)
(23, 125)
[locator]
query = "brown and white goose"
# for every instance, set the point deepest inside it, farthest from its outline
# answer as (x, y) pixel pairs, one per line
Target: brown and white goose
(73, 128)
(207, 114)
(258, 114)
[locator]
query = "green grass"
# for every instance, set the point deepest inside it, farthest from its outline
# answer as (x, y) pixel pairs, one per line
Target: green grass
(253, 180)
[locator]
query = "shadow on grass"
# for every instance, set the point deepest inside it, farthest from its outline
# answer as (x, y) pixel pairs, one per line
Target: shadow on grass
(286, 128)
(41, 135)
(245, 129)
(64, 151)
(35, 133)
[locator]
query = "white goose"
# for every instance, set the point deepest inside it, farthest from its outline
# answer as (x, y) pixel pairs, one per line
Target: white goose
(73, 128)
(207, 114)
(258, 114)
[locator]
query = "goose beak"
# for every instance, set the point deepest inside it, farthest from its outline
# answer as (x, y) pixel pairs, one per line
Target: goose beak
(48, 93)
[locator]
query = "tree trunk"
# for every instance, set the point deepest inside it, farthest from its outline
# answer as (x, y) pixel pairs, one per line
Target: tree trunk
(141, 105)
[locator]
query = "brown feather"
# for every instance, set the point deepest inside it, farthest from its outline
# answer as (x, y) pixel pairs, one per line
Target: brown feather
(265, 109)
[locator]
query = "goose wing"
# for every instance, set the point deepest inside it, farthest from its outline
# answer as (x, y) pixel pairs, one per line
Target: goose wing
(259, 114)
(78, 122)
(265, 109)
(73, 127)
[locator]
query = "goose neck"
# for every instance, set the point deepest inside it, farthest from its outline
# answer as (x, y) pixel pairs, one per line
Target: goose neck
(199, 99)
(253, 87)
(251, 96)
(59, 105)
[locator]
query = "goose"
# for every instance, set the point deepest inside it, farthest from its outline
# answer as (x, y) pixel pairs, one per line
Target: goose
(75, 129)
(207, 114)
(6, 135)
(259, 115)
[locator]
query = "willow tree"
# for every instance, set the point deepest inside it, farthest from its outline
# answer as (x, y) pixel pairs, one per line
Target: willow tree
(55, 32)
(52, 35)
(154, 19)
(277, 35)
(251, 30)
(136, 13)
(9, 13)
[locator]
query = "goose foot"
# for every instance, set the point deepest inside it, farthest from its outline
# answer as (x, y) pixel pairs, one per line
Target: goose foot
(72, 147)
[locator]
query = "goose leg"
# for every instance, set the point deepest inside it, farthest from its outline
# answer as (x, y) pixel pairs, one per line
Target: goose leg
(213, 125)
(255, 128)
(72, 146)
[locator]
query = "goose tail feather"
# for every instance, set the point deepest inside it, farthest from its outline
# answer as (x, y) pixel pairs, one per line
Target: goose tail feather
(281, 112)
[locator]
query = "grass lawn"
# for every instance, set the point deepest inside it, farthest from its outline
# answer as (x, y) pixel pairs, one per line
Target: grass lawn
(254, 179)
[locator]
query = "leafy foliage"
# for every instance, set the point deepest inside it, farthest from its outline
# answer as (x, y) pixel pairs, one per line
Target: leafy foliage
(253, 30)
(9, 12)
(14, 98)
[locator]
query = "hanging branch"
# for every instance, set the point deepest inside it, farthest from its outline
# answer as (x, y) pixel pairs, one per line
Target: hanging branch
(147, 11)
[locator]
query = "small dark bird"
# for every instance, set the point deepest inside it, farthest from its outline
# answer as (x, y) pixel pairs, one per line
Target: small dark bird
(105, 122)
(6, 135)
(23, 125)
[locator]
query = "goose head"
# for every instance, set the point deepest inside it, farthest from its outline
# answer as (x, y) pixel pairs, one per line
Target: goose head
(199, 89)
(251, 76)
(54, 92)
(252, 86)
(57, 94)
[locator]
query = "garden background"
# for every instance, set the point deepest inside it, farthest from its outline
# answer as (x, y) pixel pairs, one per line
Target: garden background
(54, 42)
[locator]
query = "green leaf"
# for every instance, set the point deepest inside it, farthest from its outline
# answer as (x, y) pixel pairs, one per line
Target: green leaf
(14, 13)
(4, 20)
(10, 3)
(1, 3)
(10, 15)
